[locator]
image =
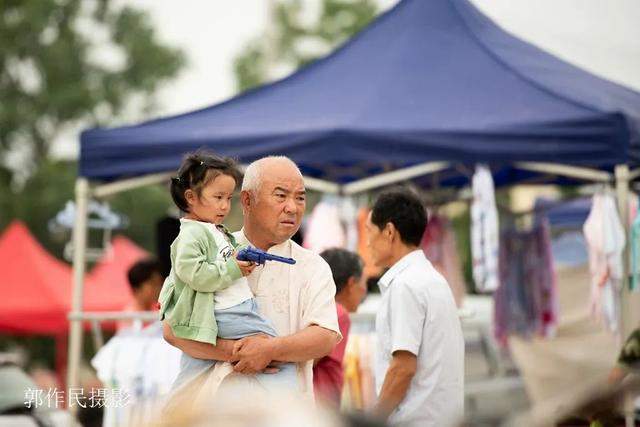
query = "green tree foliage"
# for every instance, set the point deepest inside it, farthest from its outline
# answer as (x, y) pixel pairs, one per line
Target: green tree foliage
(69, 62)
(295, 40)
(64, 62)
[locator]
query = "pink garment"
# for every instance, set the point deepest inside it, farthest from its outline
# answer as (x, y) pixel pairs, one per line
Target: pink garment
(328, 375)
(439, 246)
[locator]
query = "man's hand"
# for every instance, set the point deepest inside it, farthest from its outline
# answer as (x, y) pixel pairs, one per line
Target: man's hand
(253, 354)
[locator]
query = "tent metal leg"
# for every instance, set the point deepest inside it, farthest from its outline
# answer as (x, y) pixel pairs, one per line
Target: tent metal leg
(98, 337)
(622, 194)
(626, 325)
(79, 258)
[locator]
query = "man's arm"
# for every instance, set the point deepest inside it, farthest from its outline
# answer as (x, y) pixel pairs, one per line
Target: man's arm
(256, 352)
(312, 342)
(316, 339)
(396, 382)
(221, 351)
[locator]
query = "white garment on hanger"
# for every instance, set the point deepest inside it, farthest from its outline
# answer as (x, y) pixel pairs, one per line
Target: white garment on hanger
(324, 229)
(606, 239)
(349, 217)
(484, 231)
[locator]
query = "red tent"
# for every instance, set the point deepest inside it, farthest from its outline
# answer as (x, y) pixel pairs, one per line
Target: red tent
(35, 287)
(107, 287)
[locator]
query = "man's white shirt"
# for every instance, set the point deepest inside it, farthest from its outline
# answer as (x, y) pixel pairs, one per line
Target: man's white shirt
(292, 297)
(418, 314)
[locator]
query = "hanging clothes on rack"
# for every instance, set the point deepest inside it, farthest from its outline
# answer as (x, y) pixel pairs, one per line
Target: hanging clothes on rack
(324, 229)
(439, 246)
(484, 231)
(359, 392)
(349, 217)
(526, 302)
(605, 239)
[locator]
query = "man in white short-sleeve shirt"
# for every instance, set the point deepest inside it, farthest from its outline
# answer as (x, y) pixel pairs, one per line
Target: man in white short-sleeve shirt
(298, 299)
(419, 366)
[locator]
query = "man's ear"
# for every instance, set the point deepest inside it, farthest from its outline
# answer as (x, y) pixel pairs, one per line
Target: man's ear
(390, 231)
(245, 200)
(351, 282)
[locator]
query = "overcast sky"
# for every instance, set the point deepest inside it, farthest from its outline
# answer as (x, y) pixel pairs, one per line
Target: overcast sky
(598, 35)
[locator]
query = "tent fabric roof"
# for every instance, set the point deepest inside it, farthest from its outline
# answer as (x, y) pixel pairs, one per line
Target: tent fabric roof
(561, 213)
(107, 287)
(428, 80)
(36, 287)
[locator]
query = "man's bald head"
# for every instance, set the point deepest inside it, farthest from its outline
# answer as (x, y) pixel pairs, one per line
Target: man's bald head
(256, 171)
(273, 200)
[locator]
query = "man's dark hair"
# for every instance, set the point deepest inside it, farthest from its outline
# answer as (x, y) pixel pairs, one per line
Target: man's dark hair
(405, 211)
(141, 271)
(344, 264)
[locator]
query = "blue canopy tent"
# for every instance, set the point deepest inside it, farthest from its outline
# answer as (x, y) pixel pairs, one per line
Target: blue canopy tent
(428, 86)
(428, 81)
(572, 213)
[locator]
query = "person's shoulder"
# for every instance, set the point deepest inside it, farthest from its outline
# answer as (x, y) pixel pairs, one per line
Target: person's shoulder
(343, 313)
(304, 254)
(196, 230)
(421, 276)
(308, 260)
(423, 269)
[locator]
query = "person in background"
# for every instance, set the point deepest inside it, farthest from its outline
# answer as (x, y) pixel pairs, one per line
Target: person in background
(346, 268)
(419, 366)
(145, 279)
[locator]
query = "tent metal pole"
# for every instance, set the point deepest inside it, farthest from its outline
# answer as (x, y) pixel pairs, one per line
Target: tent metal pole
(622, 194)
(567, 171)
(634, 174)
(104, 190)
(321, 185)
(79, 259)
(393, 177)
(100, 316)
(315, 184)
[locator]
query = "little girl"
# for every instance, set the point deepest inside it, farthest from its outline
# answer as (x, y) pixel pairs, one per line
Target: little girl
(206, 294)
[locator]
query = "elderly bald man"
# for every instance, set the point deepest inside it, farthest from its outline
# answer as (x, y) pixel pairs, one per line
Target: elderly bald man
(298, 299)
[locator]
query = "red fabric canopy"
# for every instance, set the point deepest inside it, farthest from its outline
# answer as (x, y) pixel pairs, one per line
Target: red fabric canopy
(35, 287)
(107, 287)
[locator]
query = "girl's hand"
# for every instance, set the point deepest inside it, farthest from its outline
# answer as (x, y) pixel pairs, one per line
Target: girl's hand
(246, 267)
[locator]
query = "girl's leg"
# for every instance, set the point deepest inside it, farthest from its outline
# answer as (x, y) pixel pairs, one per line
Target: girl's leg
(190, 368)
(242, 320)
(284, 380)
